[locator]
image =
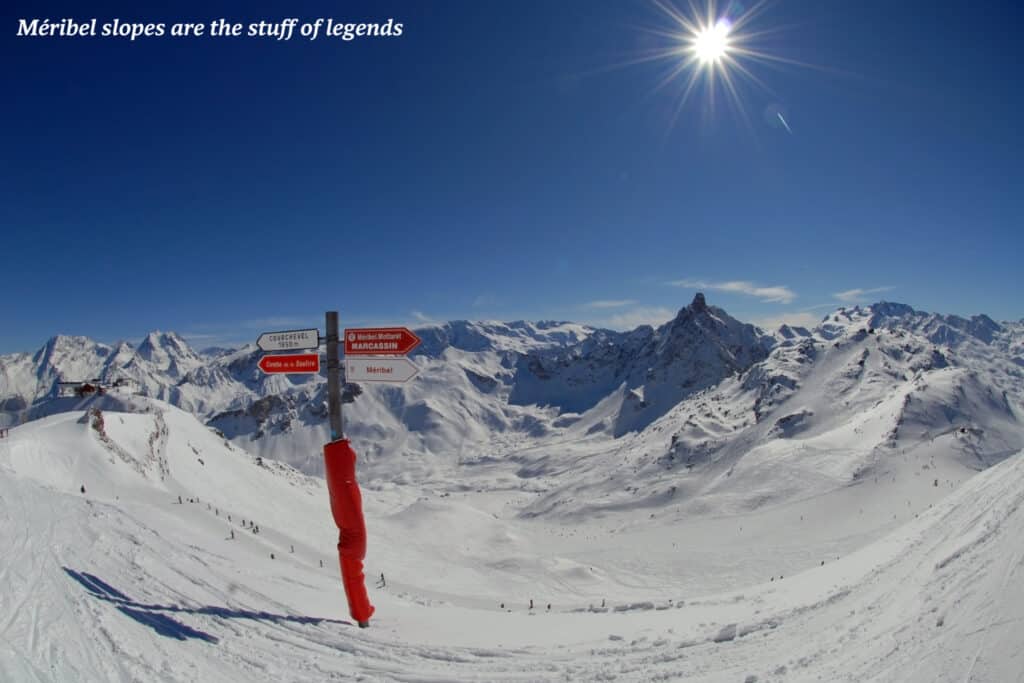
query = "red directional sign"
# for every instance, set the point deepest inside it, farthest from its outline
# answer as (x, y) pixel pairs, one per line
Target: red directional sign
(303, 363)
(380, 341)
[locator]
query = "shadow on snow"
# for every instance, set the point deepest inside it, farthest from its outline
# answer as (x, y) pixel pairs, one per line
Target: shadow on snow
(149, 615)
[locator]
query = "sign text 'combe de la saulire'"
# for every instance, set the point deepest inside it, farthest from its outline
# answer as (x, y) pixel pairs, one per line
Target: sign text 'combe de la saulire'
(298, 363)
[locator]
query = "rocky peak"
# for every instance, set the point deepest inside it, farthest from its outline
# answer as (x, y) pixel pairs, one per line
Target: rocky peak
(938, 328)
(163, 343)
(64, 348)
(892, 309)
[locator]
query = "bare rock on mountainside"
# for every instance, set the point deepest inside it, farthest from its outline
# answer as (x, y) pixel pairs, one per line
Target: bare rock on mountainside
(696, 350)
(696, 393)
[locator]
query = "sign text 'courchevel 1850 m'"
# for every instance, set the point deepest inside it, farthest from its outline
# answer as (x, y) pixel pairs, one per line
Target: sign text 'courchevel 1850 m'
(289, 340)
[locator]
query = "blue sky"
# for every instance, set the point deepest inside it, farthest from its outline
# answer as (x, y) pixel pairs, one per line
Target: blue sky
(506, 161)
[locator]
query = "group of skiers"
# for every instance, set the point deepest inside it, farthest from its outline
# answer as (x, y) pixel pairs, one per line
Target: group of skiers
(502, 605)
(255, 528)
(246, 524)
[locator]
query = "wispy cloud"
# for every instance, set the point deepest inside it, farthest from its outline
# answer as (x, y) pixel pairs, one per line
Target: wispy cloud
(483, 300)
(422, 317)
(198, 337)
(238, 333)
(852, 296)
(281, 322)
(228, 339)
(775, 294)
(635, 317)
(609, 303)
(793, 319)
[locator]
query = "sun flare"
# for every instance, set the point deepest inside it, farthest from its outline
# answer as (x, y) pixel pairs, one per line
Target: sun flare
(711, 43)
(711, 48)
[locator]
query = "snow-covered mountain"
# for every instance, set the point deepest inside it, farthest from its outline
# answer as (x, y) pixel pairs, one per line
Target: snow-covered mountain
(823, 411)
(698, 501)
(570, 408)
(155, 366)
(648, 371)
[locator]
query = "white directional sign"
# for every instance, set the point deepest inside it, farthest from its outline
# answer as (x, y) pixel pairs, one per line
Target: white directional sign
(289, 340)
(371, 369)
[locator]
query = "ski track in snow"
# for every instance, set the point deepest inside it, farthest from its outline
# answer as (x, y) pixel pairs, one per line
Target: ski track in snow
(125, 584)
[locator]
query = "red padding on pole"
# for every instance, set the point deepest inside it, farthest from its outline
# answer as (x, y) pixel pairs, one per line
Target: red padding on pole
(347, 508)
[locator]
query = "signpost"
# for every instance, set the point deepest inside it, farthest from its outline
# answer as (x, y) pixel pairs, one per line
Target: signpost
(372, 355)
(333, 380)
(380, 341)
(368, 369)
(298, 363)
(289, 340)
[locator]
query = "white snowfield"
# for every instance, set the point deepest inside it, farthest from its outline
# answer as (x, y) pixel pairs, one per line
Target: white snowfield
(910, 571)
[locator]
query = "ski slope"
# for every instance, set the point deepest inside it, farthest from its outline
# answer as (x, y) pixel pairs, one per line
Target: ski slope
(873, 581)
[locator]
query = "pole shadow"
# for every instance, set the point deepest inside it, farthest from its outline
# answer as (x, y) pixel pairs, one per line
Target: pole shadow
(154, 616)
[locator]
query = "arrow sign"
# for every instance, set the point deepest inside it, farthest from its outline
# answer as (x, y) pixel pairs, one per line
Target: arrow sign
(379, 370)
(299, 363)
(288, 340)
(380, 341)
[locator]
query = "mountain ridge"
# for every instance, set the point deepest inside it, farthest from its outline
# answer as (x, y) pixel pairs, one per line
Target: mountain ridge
(688, 401)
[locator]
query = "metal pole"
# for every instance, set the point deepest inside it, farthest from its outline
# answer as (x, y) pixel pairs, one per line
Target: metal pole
(333, 377)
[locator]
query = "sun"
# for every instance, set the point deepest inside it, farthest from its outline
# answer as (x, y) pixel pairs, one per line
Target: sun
(710, 44)
(712, 48)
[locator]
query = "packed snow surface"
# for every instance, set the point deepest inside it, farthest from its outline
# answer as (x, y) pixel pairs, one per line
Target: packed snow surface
(907, 576)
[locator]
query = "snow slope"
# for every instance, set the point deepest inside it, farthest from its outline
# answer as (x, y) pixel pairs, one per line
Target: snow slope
(702, 416)
(887, 580)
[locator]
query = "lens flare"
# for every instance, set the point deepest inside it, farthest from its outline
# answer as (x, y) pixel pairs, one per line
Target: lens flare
(711, 48)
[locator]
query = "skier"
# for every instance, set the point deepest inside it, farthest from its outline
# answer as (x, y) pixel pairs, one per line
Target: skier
(179, 500)
(83, 488)
(232, 534)
(383, 583)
